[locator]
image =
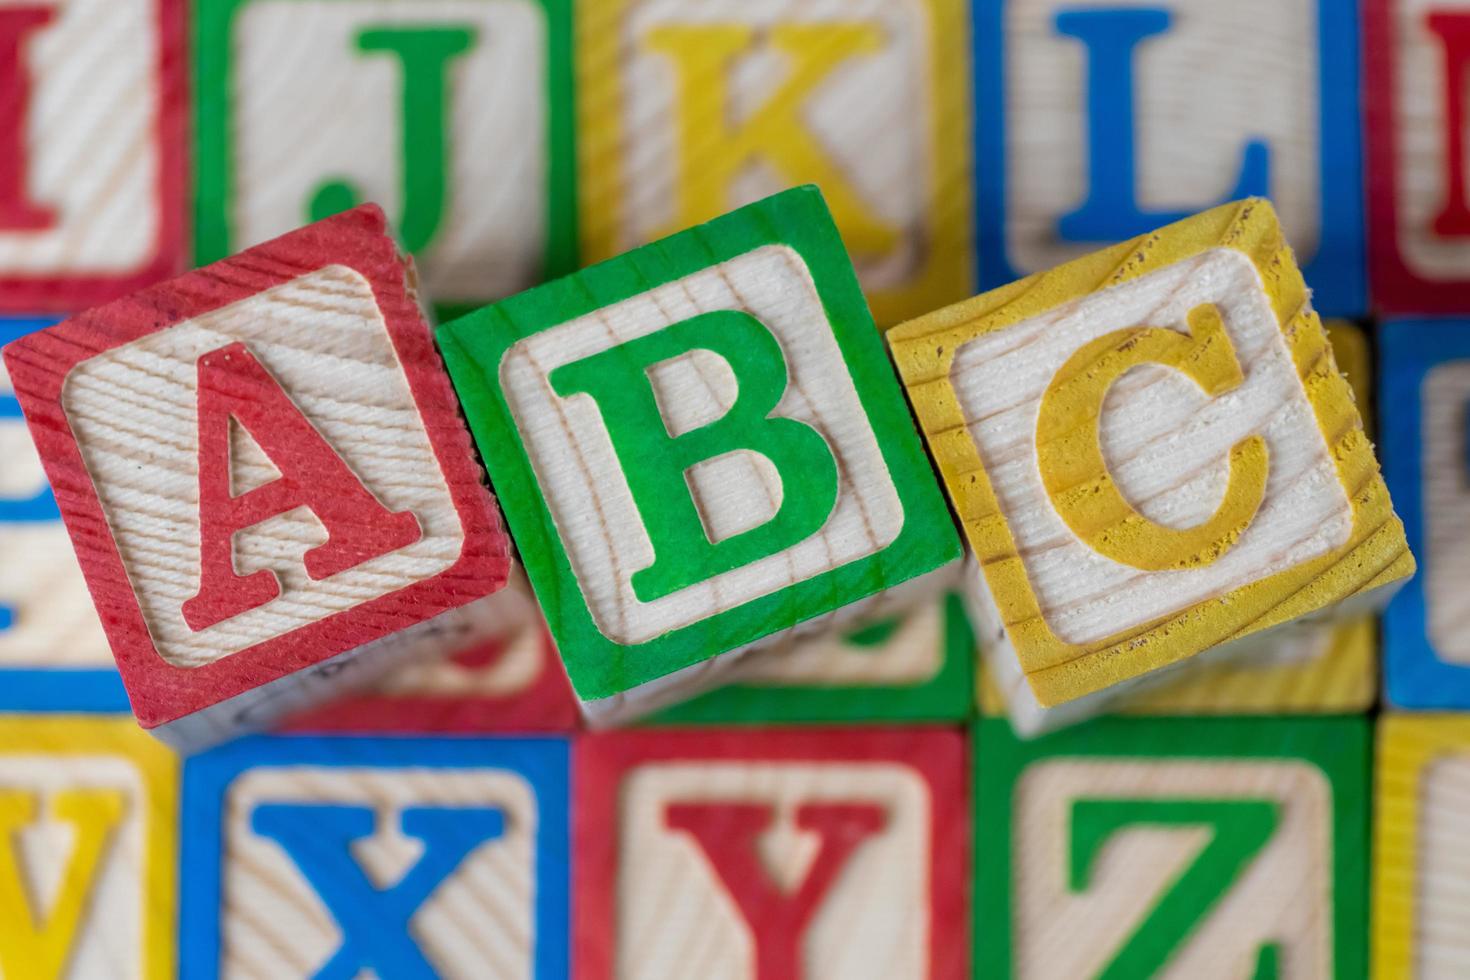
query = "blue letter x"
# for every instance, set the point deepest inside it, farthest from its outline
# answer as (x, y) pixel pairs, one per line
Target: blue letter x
(374, 923)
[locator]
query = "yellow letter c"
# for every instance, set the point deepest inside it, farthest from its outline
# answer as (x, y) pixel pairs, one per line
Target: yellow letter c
(1069, 447)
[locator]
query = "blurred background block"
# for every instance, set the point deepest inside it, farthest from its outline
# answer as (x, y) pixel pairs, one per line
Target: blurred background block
(454, 115)
(88, 849)
(404, 857)
(777, 854)
(1174, 849)
(686, 111)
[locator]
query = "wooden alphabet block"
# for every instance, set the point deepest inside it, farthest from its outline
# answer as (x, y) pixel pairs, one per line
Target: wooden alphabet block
(1173, 848)
(687, 111)
(392, 857)
(1415, 65)
(509, 680)
(1153, 456)
(1425, 367)
(1420, 846)
(53, 655)
(1092, 128)
(771, 854)
(914, 666)
(457, 117)
(91, 150)
(88, 849)
(699, 445)
(264, 477)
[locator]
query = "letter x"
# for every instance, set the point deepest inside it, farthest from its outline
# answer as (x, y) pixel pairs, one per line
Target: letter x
(374, 922)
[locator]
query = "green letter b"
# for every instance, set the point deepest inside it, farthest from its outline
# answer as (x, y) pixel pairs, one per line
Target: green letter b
(656, 464)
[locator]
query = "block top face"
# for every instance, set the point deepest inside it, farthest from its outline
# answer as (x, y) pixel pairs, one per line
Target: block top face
(91, 202)
(713, 823)
(1094, 132)
(1151, 450)
(1093, 828)
(1416, 127)
(88, 852)
(308, 106)
(687, 111)
(260, 458)
(650, 421)
(1425, 369)
(444, 857)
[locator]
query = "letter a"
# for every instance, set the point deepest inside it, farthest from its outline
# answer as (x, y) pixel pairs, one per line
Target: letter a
(727, 833)
(234, 385)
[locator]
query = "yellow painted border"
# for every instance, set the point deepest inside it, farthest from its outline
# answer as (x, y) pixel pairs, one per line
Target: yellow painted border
(1407, 745)
(947, 271)
(78, 735)
(1375, 553)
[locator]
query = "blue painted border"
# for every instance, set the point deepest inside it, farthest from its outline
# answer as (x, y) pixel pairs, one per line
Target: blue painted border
(89, 689)
(1414, 675)
(1337, 273)
(542, 762)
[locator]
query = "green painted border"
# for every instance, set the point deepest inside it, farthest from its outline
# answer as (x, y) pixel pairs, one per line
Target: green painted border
(945, 697)
(213, 29)
(473, 347)
(1339, 746)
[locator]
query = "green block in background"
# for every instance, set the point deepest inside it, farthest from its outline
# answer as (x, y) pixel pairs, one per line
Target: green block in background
(1240, 843)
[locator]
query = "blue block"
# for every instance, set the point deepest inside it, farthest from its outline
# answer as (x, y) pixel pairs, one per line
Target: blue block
(41, 688)
(458, 799)
(1416, 675)
(1108, 38)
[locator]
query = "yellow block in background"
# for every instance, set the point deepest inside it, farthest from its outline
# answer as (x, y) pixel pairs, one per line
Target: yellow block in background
(974, 370)
(106, 793)
(687, 111)
(1421, 844)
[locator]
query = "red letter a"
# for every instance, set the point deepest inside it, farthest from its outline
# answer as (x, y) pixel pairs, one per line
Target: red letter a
(1453, 29)
(728, 833)
(16, 210)
(233, 384)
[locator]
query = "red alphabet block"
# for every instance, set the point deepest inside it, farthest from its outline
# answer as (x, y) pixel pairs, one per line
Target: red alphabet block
(91, 150)
(771, 855)
(265, 478)
(1417, 66)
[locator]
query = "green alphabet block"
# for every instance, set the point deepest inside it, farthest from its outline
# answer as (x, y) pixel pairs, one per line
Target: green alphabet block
(456, 118)
(699, 445)
(1170, 847)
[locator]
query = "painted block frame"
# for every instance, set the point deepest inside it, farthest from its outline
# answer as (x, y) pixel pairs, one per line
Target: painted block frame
(1338, 747)
(1338, 272)
(1414, 675)
(542, 762)
(212, 37)
(925, 350)
(473, 347)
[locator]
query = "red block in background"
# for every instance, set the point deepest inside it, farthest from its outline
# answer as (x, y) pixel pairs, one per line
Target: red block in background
(92, 188)
(325, 321)
(1417, 57)
(512, 681)
(794, 852)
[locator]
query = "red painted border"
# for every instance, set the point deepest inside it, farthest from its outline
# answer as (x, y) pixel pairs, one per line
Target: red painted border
(1394, 287)
(548, 705)
(63, 293)
(601, 762)
(39, 364)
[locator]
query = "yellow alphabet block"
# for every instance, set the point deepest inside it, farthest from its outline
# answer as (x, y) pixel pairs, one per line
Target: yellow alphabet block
(1421, 841)
(687, 111)
(1153, 455)
(88, 830)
